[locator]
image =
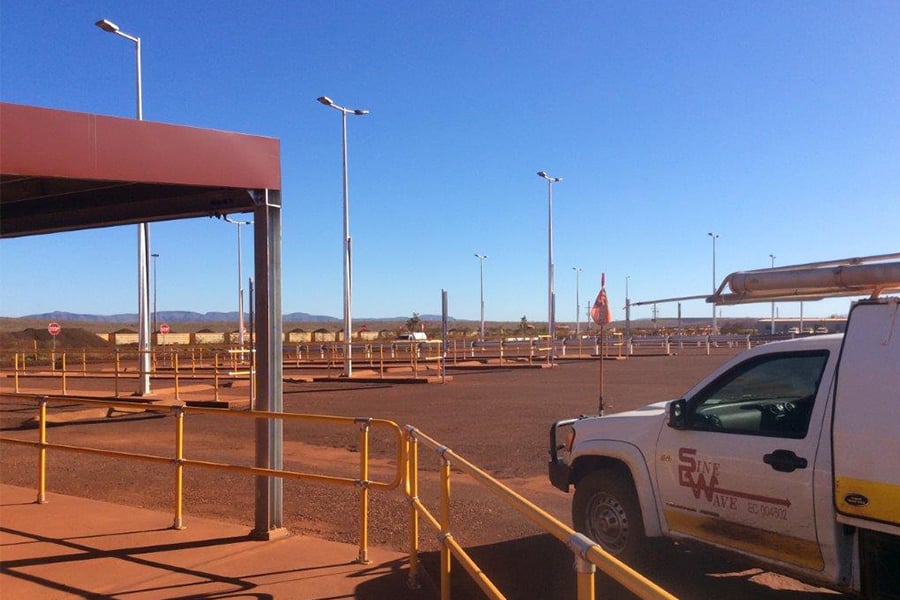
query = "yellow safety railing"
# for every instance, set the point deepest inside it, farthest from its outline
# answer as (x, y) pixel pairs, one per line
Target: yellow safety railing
(179, 461)
(588, 555)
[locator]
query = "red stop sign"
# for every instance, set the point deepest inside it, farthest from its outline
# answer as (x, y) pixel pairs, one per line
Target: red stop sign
(164, 328)
(54, 328)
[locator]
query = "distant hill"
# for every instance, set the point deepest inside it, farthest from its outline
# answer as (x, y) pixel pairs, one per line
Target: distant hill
(185, 316)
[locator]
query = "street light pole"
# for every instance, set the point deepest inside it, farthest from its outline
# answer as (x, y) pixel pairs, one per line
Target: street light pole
(155, 258)
(481, 259)
(577, 303)
(772, 256)
(714, 236)
(143, 234)
(240, 280)
(551, 296)
(348, 283)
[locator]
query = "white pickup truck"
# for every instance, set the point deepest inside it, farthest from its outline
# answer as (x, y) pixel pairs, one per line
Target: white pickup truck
(788, 454)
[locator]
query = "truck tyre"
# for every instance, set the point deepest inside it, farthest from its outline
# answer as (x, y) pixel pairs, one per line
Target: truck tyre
(605, 508)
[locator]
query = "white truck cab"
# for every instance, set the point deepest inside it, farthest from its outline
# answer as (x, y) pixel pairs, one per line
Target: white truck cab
(788, 454)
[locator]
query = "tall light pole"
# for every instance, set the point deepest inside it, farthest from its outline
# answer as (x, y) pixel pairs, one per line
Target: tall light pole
(577, 303)
(348, 284)
(714, 236)
(627, 312)
(772, 256)
(481, 258)
(551, 296)
(240, 279)
(143, 234)
(155, 258)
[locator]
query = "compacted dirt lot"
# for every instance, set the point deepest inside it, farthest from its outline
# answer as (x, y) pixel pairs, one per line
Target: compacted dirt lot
(496, 418)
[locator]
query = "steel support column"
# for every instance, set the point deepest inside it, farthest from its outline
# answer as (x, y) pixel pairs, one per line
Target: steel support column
(269, 514)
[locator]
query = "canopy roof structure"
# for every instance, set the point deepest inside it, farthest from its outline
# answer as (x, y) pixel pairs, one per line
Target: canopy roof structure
(62, 171)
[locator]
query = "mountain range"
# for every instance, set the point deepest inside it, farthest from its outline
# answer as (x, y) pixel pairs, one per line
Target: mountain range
(186, 316)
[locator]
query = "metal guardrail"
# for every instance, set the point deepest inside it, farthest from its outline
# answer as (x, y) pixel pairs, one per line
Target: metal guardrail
(587, 553)
(179, 461)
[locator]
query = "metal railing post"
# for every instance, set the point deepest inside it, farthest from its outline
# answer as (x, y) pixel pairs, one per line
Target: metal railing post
(175, 367)
(445, 526)
(42, 452)
(216, 377)
(116, 368)
(63, 373)
(16, 369)
(179, 466)
(364, 425)
(412, 462)
(83, 362)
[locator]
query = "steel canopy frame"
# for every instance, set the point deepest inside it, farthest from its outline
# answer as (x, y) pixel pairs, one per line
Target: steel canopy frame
(64, 171)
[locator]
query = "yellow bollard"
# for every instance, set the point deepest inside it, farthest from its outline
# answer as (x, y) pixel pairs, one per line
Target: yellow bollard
(16, 369)
(179, 466)
(42, 453)
(83, 362)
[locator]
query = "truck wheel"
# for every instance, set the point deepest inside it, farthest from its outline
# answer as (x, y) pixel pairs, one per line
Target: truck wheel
(605, 508)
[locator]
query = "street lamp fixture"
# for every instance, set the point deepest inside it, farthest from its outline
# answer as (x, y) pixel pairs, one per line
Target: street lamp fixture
(143, 233)
(551, 296)
(348, 284)
(481, 258)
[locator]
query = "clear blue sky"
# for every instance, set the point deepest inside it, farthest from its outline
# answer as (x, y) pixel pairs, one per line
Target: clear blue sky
(774, 124)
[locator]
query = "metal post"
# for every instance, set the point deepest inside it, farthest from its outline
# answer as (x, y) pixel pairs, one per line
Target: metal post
(364, 425)
(179, 466)
(772, 330)
(481, 259)
(551, 296)
(714, 236)
(577, 304)
(348, 282)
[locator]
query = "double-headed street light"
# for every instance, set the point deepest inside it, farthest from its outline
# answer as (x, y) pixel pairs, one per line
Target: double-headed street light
(481, 258)
(143, 236)
(240, 279)
(714, 236)
(348, 284)
(551, 296)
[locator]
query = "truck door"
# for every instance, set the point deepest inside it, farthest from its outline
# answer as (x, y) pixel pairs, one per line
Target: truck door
(739, 471)
(866, 415)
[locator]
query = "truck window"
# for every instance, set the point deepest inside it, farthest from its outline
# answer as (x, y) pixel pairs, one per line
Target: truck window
(770, 395)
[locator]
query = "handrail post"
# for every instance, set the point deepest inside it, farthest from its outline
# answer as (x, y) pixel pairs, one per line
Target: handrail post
(116, 369)
(579, 544)
(179, 466)
(42, 452)
(216, 377)
(16, 369)
(63, 373)
(84, 362)
(445, 525)
(412, 474)
(364, 425)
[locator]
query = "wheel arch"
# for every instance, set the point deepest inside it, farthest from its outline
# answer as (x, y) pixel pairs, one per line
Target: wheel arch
(625, 460)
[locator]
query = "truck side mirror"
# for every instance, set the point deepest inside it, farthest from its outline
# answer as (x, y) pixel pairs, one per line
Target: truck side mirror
(677, 410)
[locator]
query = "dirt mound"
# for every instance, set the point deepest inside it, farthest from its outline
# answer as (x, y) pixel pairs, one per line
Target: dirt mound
(73, 337)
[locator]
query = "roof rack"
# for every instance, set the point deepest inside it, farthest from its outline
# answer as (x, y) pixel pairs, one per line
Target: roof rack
(863, 276)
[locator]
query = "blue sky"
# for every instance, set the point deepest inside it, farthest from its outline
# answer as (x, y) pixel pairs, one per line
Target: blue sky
(774, 124)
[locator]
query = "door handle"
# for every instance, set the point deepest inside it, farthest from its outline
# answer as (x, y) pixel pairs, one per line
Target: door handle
(785, 461)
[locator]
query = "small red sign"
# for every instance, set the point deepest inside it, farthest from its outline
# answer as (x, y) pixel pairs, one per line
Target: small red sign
(54, 328)
(164, 328)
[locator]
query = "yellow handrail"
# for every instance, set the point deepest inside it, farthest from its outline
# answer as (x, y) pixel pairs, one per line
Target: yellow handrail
(588, 554)
(180, 462)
